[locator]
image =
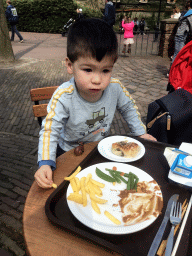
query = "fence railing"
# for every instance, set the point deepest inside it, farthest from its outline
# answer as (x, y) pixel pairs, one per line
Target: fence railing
(144, 45)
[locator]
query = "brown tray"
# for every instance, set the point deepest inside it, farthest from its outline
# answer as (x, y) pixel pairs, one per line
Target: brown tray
(154, 163)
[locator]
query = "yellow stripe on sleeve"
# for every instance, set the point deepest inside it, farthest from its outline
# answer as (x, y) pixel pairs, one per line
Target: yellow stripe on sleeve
(48, 121)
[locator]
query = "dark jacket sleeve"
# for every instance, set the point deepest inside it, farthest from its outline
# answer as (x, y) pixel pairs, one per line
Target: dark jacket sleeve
(8, 13)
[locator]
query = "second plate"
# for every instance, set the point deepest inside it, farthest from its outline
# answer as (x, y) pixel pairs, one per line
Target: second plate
(104, 148)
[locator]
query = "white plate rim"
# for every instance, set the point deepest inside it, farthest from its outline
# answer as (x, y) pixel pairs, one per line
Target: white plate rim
(106, 150)
(112, 229)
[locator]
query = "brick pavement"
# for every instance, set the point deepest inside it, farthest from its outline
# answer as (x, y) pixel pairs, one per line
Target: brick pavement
(40, 63)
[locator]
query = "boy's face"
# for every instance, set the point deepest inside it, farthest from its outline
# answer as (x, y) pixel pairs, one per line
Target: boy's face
(91, 76)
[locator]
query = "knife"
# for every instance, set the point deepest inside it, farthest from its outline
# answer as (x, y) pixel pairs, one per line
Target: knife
(161, 230)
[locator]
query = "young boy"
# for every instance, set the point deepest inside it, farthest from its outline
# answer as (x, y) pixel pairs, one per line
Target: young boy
(73, 110)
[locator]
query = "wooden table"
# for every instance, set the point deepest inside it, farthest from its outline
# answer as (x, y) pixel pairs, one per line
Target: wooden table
(42, 237)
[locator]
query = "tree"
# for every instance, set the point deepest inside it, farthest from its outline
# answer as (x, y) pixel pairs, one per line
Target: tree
(6, 51)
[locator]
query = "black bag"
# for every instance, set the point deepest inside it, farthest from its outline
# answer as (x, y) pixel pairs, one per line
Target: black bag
(169, 119)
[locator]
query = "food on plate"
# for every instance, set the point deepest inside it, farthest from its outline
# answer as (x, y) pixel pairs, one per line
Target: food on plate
(112, 218)
(76, 198)
(95, 207)
(83, 191)
(117, 176)
(104, 176)
(77, 181)
(86, 186)
(125, 149)
(73, 185)
(54, 185)
(96, 199)
(74, 174)
(99, 184)
(142, 205)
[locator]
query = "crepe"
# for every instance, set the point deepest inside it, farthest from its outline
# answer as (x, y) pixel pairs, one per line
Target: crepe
(125, 149)
(142, 205)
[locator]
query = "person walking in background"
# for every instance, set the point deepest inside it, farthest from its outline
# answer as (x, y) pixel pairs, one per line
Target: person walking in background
(128, 26)
(13, 18)
(79, 14)
(183, 30)
(176, 13)
(136, 25)
(142, 26)
(109, 13)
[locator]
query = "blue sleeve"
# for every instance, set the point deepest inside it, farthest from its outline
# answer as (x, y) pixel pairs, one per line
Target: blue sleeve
(7, 12)
(47, 162)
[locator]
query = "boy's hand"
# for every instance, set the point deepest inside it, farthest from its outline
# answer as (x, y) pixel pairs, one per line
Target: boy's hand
(43, 176)
(147, 137)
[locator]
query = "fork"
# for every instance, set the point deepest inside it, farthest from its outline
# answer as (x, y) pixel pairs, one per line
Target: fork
(175, 219)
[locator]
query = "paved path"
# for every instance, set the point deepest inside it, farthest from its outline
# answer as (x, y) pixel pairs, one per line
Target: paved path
(40, 63)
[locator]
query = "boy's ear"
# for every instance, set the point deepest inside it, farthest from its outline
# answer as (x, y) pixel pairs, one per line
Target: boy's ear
(69, 65)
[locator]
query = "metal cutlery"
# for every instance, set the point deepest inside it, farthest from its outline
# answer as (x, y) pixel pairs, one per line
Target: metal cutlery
(175, 219)
(159, 235)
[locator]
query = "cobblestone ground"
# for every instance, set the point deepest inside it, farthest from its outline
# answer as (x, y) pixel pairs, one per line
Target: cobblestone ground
(40, 64)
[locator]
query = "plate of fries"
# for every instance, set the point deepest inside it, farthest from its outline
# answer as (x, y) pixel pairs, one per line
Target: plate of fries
(104, 148)
(95, 202)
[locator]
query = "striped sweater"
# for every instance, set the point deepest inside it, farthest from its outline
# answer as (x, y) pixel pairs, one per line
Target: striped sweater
(72, 119)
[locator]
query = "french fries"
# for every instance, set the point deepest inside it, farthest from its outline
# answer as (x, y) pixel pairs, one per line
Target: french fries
(74, 174)
(73, 185)
(54, 185)
(76, 198)
(95, 207)
(112, 218)
(99, 184)
(87, 186)
(84, 195)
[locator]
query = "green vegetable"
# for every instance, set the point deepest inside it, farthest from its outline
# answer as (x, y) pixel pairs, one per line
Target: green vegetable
(129, 184)
(112, 170)
(121, 178)
(135, 185)
(104, 176)
(132, 180)
(126, 175)
(114, 175)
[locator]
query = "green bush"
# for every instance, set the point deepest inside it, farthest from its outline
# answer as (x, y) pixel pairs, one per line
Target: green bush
(47, 16)
(44, 16)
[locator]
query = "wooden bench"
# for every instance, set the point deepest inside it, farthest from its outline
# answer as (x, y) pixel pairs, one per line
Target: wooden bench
(41, 94)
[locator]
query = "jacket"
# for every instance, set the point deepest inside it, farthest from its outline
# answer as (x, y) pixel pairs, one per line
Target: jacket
(109, 13)
(11, 15)
(180, 75)
(128, 27)
(185, 25)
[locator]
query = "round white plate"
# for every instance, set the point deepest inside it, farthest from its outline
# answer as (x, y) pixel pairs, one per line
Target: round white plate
(104, 148)
(100, 222)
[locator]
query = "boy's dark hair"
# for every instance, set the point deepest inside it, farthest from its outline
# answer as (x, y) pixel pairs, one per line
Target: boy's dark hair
(91, 37)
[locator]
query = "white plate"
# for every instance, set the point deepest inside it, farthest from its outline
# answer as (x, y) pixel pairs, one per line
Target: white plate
(104, 148)
(100, 222)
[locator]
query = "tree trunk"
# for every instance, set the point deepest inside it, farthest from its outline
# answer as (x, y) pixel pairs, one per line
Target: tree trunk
(6, 51)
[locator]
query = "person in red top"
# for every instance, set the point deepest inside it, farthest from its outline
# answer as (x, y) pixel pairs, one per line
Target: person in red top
(128, 26)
